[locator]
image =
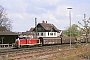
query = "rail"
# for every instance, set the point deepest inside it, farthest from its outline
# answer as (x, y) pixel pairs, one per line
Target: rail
(6, 45)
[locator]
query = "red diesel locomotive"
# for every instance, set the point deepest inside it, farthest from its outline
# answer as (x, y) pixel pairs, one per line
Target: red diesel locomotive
(26, 41)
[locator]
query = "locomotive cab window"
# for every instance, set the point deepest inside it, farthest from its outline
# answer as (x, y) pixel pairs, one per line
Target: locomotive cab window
(28, 38)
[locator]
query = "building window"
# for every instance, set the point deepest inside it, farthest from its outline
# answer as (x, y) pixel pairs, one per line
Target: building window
(38, 34)
(48, 33)
(54, 33)
(41, 34)
(51, 33)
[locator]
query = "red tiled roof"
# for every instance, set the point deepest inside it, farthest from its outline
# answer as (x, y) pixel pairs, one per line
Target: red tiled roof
(8, 33)
(31, 30)
(48, 26)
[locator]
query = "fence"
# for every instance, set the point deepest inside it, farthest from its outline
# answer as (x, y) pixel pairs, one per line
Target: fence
(6, 45)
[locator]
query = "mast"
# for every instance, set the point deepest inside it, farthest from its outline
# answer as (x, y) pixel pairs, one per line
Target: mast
(36, 27)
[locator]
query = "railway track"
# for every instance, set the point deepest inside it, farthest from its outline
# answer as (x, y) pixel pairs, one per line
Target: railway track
(32, 48)
(13, 54)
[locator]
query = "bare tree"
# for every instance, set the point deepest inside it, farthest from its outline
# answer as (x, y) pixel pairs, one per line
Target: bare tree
(85, 27)
(5, 23)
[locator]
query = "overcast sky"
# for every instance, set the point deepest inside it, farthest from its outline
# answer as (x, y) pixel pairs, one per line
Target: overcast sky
(23, 12)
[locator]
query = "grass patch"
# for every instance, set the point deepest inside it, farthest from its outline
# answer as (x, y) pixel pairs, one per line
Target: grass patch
(79, 53)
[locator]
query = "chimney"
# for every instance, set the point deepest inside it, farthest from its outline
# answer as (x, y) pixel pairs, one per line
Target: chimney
(35, 22)
(43, 21)
(46, 21)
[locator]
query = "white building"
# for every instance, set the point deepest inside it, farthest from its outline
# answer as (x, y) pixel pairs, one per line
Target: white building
(45, 29)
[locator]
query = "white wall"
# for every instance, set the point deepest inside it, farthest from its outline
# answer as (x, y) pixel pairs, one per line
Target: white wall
(46, 34)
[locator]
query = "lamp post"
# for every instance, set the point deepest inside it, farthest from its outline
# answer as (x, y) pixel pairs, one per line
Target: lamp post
(70, 24)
